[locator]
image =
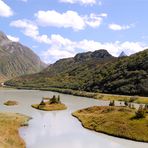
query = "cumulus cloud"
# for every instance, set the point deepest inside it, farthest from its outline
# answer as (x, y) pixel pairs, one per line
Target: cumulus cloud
(83, 2)
(118, 27)
(56, 19)
(5, 10)
(30, 29)
(13, 38)
(115, 48)
(69, 19)
(61, 47)
(94, 20)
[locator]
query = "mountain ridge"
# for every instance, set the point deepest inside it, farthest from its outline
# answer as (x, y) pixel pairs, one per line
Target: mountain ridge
(126, 75)
(17, 59)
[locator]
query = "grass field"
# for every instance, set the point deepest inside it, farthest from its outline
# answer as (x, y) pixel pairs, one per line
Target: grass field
(9, 135)
(50, 107)
(116, 121)
(10, 103)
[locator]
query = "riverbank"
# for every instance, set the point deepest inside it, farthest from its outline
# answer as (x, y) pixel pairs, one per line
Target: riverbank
(115, 121)
(9, 125)
(98, 96)
(6, 88)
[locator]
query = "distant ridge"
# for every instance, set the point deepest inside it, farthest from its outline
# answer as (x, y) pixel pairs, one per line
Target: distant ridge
(96, 71)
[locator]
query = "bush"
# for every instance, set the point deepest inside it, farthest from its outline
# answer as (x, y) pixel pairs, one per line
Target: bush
(129, 105)
(146, 108)
(42, 102)
(125, 103)
(140, 113)
(133, 98)
(100, 96)
(133, 107)
(112, 103)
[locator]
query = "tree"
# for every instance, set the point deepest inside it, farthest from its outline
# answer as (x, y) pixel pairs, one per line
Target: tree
(42, 102)
(125, 103)
(58, 99)
(140, 113)
(112, 103)
(146, 108)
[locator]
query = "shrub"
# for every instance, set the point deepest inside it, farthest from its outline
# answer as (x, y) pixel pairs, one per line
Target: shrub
(125, 103)
(140, 113)
(133, 107)
(100, 96)
(112, 103)
(42, 102)
(146, 108)
(58, 99)
(133, 98)
(129, 105)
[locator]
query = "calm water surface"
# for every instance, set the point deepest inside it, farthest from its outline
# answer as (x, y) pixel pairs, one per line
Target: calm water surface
(58, 129)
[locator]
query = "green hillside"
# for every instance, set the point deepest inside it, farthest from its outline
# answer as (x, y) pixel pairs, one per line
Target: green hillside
(94, 71)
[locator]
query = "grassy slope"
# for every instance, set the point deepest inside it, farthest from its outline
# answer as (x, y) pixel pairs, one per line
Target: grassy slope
(9, 124)
(116, 121)
(127, 75)
(71, 73)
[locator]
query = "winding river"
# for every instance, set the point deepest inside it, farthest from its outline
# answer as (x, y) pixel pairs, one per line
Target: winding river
(58, 129)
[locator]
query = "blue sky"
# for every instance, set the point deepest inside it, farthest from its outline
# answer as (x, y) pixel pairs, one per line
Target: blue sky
(57, 29)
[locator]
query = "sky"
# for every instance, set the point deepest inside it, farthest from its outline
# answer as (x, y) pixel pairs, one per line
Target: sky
(56, 29)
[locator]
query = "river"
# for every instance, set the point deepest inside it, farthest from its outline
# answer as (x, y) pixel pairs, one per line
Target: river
(58, 129)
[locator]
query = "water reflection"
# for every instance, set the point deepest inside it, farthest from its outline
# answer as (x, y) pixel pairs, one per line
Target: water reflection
(58, 129)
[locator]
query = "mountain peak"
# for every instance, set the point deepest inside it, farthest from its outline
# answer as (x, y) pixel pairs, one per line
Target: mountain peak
(17, 59)
(122, 54)
(3, 37)
(98, 54)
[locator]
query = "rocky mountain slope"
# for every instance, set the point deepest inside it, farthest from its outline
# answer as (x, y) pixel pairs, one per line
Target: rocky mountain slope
(94, 71)
(71, 73)
(17, 59)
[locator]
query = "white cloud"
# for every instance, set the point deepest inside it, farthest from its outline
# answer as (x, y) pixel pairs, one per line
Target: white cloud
(115, 48)
(66, 20)
(83, 2)
(69, 19)
(61, 47)
(94, 20)
(5, 10)
(117, 27)
(30, 29)
(56, 54)
(13, 38)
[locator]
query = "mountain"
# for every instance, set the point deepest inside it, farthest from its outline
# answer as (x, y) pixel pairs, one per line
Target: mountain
(122, 54)
(71, 73)
(17, 59)
(96, 71)
(128, 75)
